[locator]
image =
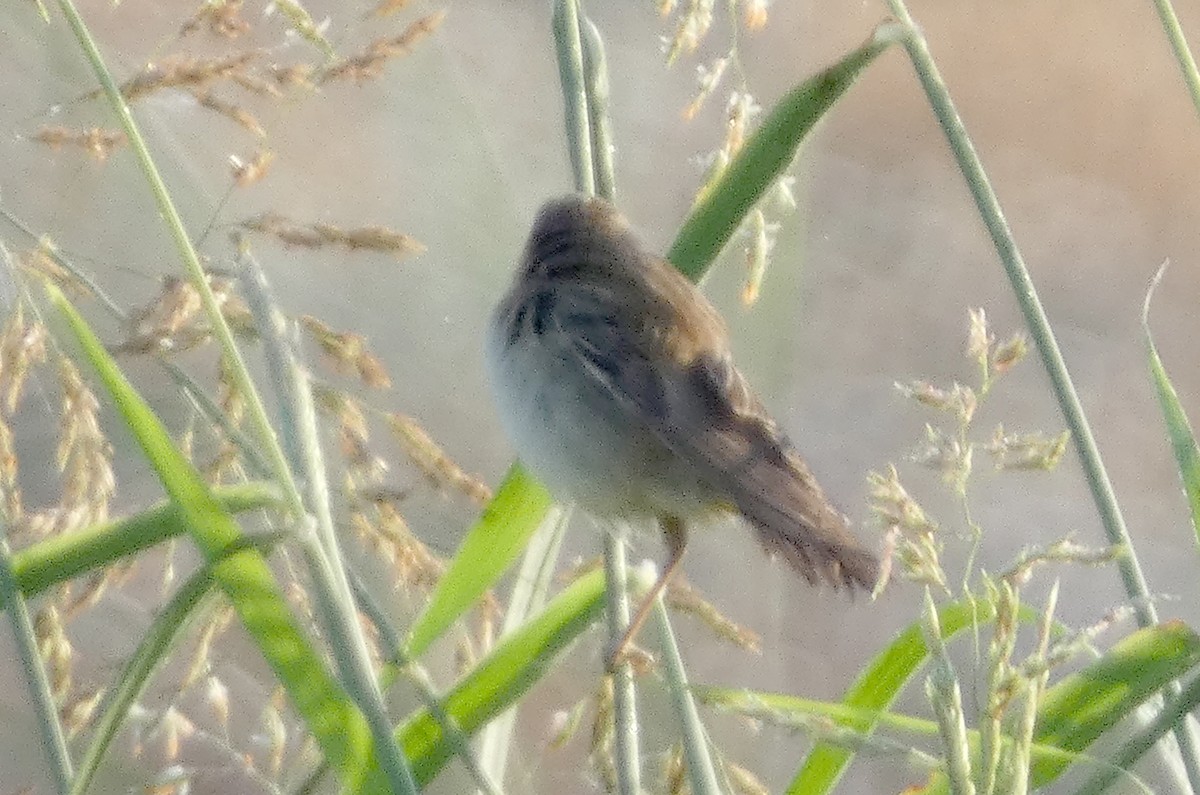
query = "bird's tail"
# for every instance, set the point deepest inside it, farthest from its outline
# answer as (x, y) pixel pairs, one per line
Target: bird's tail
(792, 518)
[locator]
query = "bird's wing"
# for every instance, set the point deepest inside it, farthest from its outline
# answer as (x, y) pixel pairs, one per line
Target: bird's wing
(673, 374)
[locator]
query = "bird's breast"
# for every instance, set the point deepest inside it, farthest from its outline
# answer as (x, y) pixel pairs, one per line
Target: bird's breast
(578, 439)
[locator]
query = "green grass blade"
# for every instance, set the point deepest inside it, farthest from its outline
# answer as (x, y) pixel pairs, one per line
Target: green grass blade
(54, 560)
(1185, 703)
(795, 711)
(501, 678)
(1088, 703)
(489, 549)
(1072, 715)
(336, 723)
(876, 688)
(878, 685)
(722, 206)
(1183, 440)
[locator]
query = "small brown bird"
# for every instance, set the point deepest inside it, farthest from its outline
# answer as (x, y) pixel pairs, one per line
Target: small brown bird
(614, 379)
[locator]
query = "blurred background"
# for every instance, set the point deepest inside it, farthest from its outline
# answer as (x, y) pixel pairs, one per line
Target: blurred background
(1078, 112)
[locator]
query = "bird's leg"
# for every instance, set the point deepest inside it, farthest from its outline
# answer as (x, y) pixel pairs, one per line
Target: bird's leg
(675, 533)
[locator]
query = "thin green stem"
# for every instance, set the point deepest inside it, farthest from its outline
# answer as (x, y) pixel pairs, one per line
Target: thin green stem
(54, 741)
(584, 88)
(595, 66)
(575, 103)
(625, 725)
(277, 352)
(1179, 45)
(336, 602)
(702, 775)
(422, 683)
(1031, 307)
(1043, 335)
(334, 596)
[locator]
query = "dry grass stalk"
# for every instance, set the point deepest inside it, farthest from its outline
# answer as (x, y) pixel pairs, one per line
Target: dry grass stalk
(12, 510)
(173, 780)
(433, 461)
(369, 64)
(235, 113)
(77, 715)
(347, 352)
(389, 535)
(84, 454)
(682, 596)
(275, 730)
(912, 537)
(741, 113)
(184, 71)
(958, 400)
(757, 252)
(74, 599)
(566, 724)
(743, 780)
(96, 141)
(362, 464)
(221, 18)
(41, 262)
(304, 25)
(173, 320)
(257, 84)
(386, 8)
(691, 28)
(55, 649)
(292, 75)
(316, 235)
(173, 728)
(1027, 451)
(490, 615)
(708, 77)
(675, 780)
(216, 695)
(364, 468)
(754, 14)
(248, 172)
(202, 656)
(22, 347)
(601, 749)
(154, 325)
(227, 462)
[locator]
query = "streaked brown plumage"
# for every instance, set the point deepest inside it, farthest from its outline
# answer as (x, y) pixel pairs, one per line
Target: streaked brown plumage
(614, 378)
